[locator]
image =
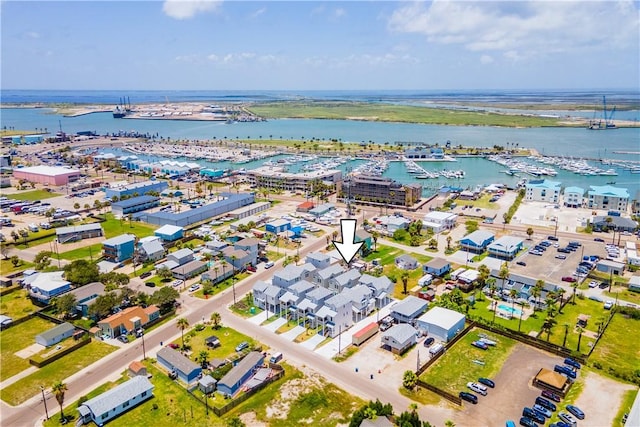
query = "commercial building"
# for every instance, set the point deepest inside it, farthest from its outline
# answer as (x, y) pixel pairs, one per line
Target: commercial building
(169, 233)
(119, 248)
(542, 190)
(249, 210)
(477, 241)
(114, 402)
(277, 178)
(137, 188)
(608, 198)
(50, 175)
(441, 323)
(78, 232)
(278, 226)
(616, 222)
(233, 380)
(134, 204)
(230, 202)
(573, 197)
(55, 334)
(439, 221)
(184, 368)
(377, 189)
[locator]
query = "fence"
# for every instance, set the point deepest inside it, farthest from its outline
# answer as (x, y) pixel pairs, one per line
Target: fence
(59, 354)
(450, 397)
(435, 357)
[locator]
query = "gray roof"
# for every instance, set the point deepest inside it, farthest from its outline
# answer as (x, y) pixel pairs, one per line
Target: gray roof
(78, 228)
(249, 241)
(189, 267)
(506, 242)
(319, 293)
(402, 332)
(437, 263)
(207, 380)
(83, 292)
(347, 276)
(179, 254)
(290, 272)
(358, 293)
(177, 360)
(248, 363)
(260, 286)
(152, 247)
(115, 397)
(318, 256)
(406, 258)
(377, 422)
(57, 330)
(119, 240)
(409, 306)
(337, 301)
(127, 203)
(479, 236)
(170, 264)
(381, 283)
(301, 287)
(331, 271)
(273, 291)
(617, 221)
(324, 312)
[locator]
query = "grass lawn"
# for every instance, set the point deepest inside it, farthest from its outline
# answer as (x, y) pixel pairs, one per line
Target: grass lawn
(17, 304)
(481, 309)
(15, 339)
(245, 310)
(456, 367)
(34, 195)
(219, 287)
(6, 266)
(286, 327)
(386, 254)
(275, 255)
(86, 252)
(143, 269)
(616, 350)
(482, 202)
(346, 353)
(228, 337)
(624, 294)
(569, 316)
(421, 395)
(29, 386)
(625, 407)
(114, 227)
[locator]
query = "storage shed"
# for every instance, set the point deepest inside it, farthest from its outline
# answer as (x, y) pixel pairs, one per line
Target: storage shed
(441, 323)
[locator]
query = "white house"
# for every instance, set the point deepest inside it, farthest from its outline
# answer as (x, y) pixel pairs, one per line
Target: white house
(291, 274)
(542, 190)
(319, 260)
(335, 316)
(345, 280)
(322, 277)
(608, 198)
(55, 334)
(439, 221)
(441, 323)
(573, 197)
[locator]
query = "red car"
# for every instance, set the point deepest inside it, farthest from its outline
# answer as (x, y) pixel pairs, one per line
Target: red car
(569, 279)
(173, 346)
(551, 395)
(251, 268)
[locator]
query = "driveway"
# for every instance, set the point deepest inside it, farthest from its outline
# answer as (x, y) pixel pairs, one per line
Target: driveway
(293, 333)
(273, 326)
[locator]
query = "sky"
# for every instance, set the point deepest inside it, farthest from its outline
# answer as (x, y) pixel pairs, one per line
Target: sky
(314, 45)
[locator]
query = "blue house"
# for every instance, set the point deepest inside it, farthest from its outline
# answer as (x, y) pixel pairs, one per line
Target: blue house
(477, 241)
(119, 248)
(239, 374)
(278, 226)
(173, 361)
(169, 233)
(437, 267)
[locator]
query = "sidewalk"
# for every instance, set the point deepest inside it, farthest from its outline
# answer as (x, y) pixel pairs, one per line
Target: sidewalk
(17, 377)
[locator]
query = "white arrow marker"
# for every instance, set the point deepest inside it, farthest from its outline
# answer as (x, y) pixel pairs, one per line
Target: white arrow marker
(348, 247)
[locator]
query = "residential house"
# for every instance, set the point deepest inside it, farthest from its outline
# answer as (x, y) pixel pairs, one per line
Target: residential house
(318, 259)
(322, 277)
(406, 262)
(189, 270)
(477, 241)
(542, 190)
(119, 248)
(408, 310)
(181, 256)
(86, 295)
(345, 280)
(150, 249)
(437, 267)
(312, 302)
(381, 287)
(128, 320)
(506, 247)
(524, 286)
(236, 377)
(169, 233)
(55, 334)
(608, 198)
(294, 295)
(438, 221)
(108, 405)
(335, 316)
(616, 222)
(362, 301)
(367, 238)
(137, 369)
(399, 338)
(216, 246)
(249, 245)
(45, 286)
(441, 323)
(238, 258)
(573, 197)
(267, 297)
(218, 272)
(184, 368)
(291, 274)
(395, 223)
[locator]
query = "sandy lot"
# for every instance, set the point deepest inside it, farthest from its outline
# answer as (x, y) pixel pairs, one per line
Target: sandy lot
(600, 399)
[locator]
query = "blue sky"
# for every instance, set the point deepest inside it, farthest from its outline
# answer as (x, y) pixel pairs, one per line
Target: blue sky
(306, 45)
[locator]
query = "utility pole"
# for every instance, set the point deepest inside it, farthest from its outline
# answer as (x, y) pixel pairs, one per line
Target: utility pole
(144, 353)
(44, 400)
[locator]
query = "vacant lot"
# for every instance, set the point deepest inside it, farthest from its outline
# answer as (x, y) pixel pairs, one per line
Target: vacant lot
(33, 195)
(17, 304)
(15, 339)
(387, 256)
(457, 367)
(228, 337)
(567, 322)
(617, 353)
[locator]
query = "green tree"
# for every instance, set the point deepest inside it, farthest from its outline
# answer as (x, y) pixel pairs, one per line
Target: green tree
(15, 261)
(81, 272)
(165, 297)
(164, 273)
(182, 324)
(409, 380)
(104, 304)
(216, 319)
(235, 422)
(471, 226)
(42, 260)
(404, 277)
(536, 292)
(64, 304)
(203, 358)
(59, 389)
(504, 273)
(449, 239)
(529, 232)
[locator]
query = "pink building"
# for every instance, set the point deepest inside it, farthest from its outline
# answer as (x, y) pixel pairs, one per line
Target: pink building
(52, 175)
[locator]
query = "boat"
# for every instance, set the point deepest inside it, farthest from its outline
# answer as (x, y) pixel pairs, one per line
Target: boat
(611, 182)
(606, 122)
(122, 109)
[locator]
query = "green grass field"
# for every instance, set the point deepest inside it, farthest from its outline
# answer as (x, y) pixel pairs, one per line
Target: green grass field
(456, 367)
(7, 267)
(569, 317)
(481, 309)
(29, 386)
(387, 256)
(625, 406)
(394, 113)
(228, 337)
(17, 304)
(114, 227)
(15, 339)
(616, 350)
(86, 252)
(32, 195)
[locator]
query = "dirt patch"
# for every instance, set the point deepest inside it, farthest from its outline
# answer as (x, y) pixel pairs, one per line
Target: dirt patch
(249, 418)
(290, 391)
(600, 392)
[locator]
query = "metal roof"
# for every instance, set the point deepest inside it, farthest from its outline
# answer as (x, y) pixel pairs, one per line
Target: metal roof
(402, 332)
(111, 399)
(177, 360)
(134, 201)
(442, 317)
(409, 306)
(78, 228)
(247, 364)
(57, 330)
(119, 240)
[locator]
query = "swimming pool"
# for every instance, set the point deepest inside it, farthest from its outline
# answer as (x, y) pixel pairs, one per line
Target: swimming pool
(513, 311)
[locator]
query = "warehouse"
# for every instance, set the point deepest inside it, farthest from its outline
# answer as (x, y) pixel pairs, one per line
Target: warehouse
(247, 211)
(136, 189)
(78, 232)
(441, 323)
(50, 175)
(135, 204)
(169, 233)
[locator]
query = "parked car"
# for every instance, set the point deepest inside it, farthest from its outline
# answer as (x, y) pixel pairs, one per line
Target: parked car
(546, 404)
(576, 411)
(603, 285)
(542, 410)
(123, 339)
(554, 238)
(569, 279)
(480, 345)
(429, 341)
(522, 263)
(478, 388)
(564, 250)
(608, 305)
(527, 422)
(566, 370)
(569, 361)
(551, 395)
(568, 418)
(269, 264)
(173, 346)
(561, 256)
(251, 268)
(530, 413)
(487, 382)
(469, 397)
(593, 284)
(194, 288)
(150, 284)
(598, 239)
(145, 275)
(242, 346)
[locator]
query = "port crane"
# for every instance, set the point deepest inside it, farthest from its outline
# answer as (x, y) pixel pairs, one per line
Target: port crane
(606, 122)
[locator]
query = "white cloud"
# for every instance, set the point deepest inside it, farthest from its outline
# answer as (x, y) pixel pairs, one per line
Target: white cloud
(185, 9)
(258, 13)
(486, 59)
(32, 34)
(339, 13)
(523, 29)
(240, 58)
(361, 60)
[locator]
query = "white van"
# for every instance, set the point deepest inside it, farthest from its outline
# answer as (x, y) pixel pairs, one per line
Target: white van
(276, 358)
(478, 388)
(33, 227)
(436, 349)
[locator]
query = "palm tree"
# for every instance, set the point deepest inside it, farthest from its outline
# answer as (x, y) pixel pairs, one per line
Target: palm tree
(449, 239)
(405, 279)
(566, 332)
(504, 273)
(182, 324)
(491, 281)
(513, 294)
(59, 388)
(216, 319)
(203, 358)
(374, 236)
(536, 292)
(579, 330)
